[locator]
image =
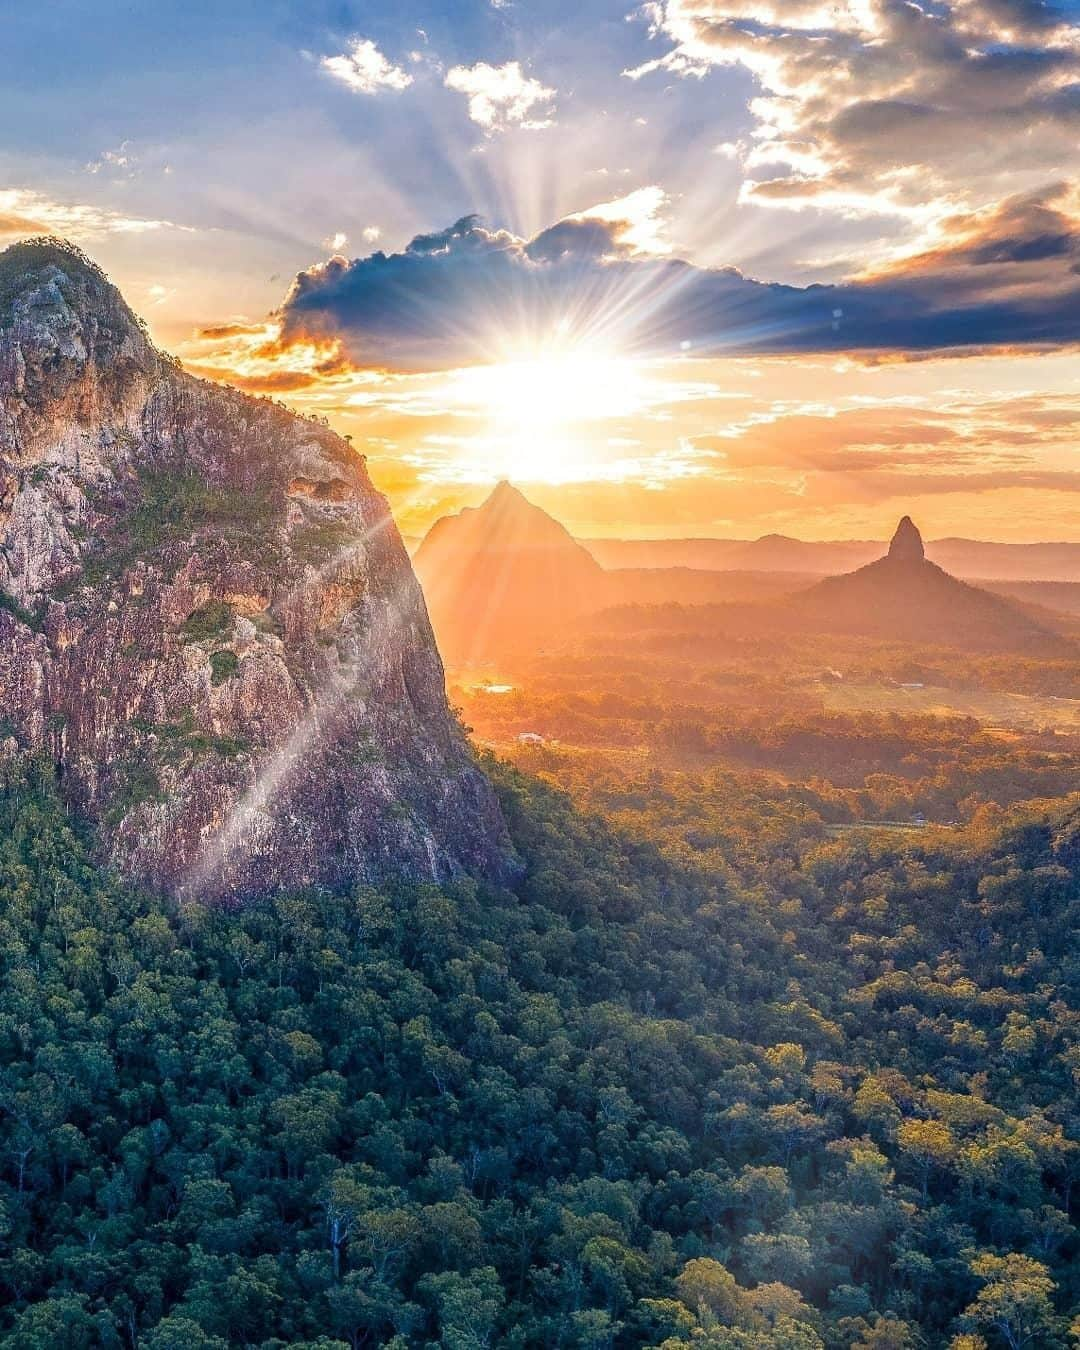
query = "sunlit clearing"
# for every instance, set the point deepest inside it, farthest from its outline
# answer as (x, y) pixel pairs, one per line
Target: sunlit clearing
(539, 413)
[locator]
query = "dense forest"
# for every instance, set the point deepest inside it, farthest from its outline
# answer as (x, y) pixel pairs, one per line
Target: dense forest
(717, 1073)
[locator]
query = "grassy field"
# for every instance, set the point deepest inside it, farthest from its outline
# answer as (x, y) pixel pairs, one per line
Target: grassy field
(991, 707)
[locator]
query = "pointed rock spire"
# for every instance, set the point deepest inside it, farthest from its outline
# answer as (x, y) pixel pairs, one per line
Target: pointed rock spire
(907, 544)
(504, 493)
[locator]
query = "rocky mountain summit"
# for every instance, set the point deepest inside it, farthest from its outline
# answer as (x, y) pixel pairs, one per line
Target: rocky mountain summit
(499, 574)
(905, 597)
(208, 619)
(906, 544)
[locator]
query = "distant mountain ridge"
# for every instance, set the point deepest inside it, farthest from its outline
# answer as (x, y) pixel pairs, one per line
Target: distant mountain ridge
(975, 559)
(505, 576)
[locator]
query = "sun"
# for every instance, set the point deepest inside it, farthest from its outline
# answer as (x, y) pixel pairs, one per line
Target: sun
(543, 417)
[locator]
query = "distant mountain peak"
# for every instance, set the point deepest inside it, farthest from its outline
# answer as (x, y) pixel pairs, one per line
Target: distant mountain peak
(497, 574)
(504, 490)
(907, 542)
(505, 521)
(905, 597)
(505, 497)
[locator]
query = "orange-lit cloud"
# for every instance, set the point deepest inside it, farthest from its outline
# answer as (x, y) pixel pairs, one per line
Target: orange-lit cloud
(253, 357)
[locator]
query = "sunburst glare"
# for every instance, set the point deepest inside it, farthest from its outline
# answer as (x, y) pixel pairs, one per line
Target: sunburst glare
(538, 415)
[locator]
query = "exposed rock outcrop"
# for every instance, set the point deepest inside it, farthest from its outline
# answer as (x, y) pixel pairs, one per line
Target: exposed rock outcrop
(208, 619)
(907, 543)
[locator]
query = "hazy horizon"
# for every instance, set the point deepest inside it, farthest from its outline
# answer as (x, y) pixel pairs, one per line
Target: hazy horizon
(534, 493)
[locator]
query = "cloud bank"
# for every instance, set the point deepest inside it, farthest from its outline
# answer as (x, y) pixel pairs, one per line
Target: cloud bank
(885, 105)
(26, 212)
(1001, 276)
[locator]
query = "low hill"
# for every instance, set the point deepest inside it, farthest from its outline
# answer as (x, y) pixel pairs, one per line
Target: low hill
(1063, 596)
(770, 553)
(698, 586)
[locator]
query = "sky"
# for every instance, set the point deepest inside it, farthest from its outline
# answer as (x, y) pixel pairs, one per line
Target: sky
(698, 267)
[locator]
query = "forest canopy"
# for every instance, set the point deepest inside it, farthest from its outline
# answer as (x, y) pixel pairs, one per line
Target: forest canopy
(711, 1075)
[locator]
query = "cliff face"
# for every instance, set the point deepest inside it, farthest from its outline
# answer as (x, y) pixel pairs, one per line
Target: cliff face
(208, 619)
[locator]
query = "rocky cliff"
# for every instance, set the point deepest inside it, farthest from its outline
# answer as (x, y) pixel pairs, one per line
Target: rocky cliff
(906, 544)
(208, 619)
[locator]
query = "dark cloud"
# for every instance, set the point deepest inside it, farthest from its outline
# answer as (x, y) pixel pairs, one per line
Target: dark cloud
(1000, 278)
(1029, 17)
(577, 239)
(1023, 253)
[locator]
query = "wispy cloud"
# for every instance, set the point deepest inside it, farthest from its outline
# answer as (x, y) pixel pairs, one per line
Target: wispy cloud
(121, 162)
(25, 212)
